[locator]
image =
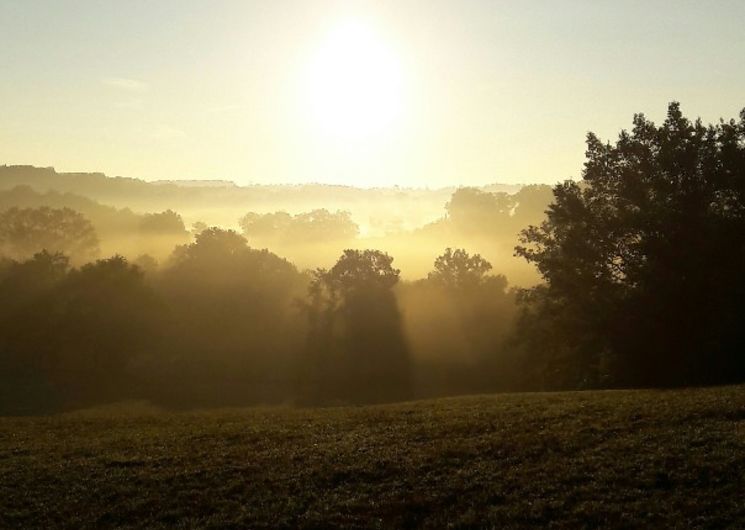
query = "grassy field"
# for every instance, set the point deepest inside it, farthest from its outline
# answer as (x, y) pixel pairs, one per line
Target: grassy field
(655, 459)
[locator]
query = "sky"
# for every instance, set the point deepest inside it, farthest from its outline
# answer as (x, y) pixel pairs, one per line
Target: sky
(411, 93)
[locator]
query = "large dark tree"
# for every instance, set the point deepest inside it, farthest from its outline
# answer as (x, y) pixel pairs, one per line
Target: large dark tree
(643, 261)
(232, 319)
(104, 318)
(357, 350)
(70, 337)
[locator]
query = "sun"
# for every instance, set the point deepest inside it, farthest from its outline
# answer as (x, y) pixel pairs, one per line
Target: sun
(354, 84)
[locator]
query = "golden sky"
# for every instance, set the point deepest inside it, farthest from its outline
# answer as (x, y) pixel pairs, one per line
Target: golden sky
(410, 93)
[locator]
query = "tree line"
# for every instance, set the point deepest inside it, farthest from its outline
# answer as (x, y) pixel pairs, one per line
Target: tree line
(641, 265)
(224, 323)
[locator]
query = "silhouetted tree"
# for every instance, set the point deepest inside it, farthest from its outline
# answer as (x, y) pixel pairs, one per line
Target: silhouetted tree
(233, 319)
(357, 351)
(643, 259)
(26, 231)
(212, 245)
(531, 203)
(309, 227)
(68, 337)
(105, 318)
(456, 320)
(198, 227)
(319, 225)
(26, 337)
(494, 220)
(146, 263)
(160, 232)
(167, 223)
(457, 269)
(473, 211)
(265, 226)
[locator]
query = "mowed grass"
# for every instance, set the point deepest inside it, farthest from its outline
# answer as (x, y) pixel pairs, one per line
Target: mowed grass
(654, 459)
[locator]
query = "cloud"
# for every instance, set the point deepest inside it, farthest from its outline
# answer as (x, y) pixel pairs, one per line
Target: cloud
(122, 83)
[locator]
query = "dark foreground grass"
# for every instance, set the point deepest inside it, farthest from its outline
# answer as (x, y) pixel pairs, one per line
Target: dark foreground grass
(654, 459)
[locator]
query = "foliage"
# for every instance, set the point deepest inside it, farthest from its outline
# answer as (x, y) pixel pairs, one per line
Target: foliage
(457, 269)
(315, 226)
(118, 230)
(643, 260)
(457, 320)
(26, 231)
(233, 321)
(356, 348)
(474, 212)
(210, 245)
(68, 336)
(219, 323)
(165, 223)
(471, 209)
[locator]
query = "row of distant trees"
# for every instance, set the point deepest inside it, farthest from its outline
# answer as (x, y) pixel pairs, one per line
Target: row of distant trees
(25, 231)
(224, 323)
(470, 213)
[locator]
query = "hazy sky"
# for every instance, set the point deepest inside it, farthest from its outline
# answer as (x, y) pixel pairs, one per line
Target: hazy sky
(414, 93)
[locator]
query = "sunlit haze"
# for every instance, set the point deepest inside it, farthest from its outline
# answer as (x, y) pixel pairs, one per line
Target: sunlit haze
(372, 264)
(409, 93)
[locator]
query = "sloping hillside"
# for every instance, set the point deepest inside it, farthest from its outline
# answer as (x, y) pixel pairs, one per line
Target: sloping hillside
(654, 459)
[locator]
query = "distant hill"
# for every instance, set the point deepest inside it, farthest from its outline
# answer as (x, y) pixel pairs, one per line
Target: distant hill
(223, 202)
(120, 230)
(100, 186)
(197, 183)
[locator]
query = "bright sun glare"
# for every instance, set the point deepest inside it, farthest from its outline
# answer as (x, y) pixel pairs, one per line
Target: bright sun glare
(354, 84)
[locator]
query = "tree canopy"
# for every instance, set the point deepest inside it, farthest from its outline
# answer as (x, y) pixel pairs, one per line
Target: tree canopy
(356, 347)
(457, 269)
(643, 259)
(26, 231)
(308, 227)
